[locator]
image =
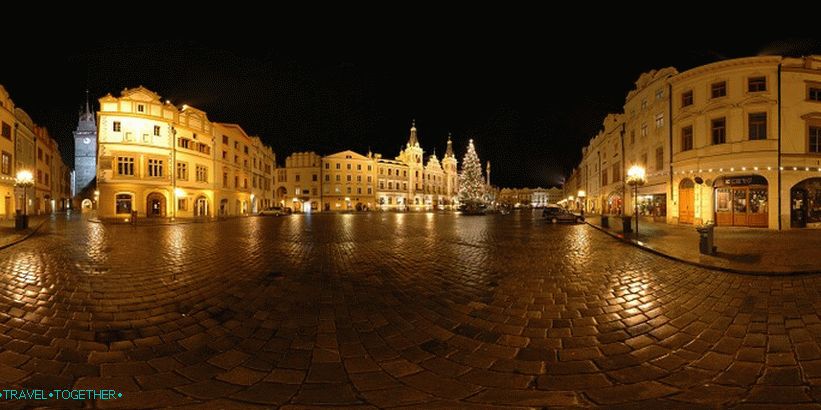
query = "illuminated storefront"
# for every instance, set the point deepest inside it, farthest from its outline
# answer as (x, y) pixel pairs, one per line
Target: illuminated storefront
(742, 201)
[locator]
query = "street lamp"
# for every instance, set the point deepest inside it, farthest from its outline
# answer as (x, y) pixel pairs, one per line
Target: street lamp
(25, 180)
(636, 177)
(581, 194)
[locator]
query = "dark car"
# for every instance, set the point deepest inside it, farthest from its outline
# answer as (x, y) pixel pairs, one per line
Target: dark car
(555, 215)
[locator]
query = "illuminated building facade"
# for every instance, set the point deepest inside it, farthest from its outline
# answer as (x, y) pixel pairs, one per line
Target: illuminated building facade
(25, 145)
(735, 143)
(160, 161)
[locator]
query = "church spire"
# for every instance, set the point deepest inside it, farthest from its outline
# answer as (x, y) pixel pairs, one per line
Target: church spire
(413, 141)
(449, 151)
(88, 109)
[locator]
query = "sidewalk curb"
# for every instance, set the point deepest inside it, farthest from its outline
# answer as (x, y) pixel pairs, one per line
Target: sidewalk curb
(638, 244)
(98, 221)
(28, 235)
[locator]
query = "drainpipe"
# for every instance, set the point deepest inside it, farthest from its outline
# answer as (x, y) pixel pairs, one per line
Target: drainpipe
(670, 138)
(779, 146)
(623, 179)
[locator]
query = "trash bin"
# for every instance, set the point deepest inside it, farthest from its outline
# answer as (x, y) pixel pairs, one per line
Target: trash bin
(21, 221)
(605, 222)
(705, 239)
(626, 226)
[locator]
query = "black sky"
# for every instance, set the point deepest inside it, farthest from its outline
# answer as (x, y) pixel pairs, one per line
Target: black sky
(529, 95)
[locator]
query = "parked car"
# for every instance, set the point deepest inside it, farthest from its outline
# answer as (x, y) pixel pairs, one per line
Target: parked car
(275, 211)
(556, 214)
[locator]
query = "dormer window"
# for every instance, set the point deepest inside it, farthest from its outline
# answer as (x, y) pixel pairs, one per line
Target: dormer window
(140, 108)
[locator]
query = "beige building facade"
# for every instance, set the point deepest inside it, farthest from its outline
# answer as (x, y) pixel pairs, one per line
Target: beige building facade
(24, 145)
(735, 143)
(160, 161)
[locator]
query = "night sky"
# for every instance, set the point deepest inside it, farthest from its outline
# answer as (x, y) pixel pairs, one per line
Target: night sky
(528, 95)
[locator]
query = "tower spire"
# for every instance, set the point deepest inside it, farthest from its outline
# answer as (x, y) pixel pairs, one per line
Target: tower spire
(449, 151)
(88, 109)
(412, 140)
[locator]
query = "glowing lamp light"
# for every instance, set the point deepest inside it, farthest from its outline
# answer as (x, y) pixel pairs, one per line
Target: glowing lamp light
(24, 178)
(581, 194)
(636, 173)
(179, 192)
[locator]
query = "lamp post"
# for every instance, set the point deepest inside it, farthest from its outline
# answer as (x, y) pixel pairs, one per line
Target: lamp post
(581, 194)
(25, 179)
(636, 177)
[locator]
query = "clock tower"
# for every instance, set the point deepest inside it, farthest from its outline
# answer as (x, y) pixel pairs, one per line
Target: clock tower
(85, 150)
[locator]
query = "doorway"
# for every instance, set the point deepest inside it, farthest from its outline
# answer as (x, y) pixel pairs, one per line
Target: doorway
(685, 201)
(201, 206)
(155, 205)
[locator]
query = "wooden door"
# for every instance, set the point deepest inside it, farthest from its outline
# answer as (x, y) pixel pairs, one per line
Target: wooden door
(740, 206)
(685, 206)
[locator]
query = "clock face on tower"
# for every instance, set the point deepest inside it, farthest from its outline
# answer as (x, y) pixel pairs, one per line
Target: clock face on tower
(86, 140)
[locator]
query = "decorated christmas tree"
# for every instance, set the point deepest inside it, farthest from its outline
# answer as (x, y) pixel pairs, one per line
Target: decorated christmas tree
(471, 183)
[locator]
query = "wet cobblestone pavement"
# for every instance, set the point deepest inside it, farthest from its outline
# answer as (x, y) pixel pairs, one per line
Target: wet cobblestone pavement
(384, 310)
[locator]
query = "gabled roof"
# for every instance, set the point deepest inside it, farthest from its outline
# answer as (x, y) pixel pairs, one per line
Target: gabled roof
(345, 154)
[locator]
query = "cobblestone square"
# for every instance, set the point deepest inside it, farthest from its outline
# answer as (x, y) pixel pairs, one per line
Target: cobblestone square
(433, 310)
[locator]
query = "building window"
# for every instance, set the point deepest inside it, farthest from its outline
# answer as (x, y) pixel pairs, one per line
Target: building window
(815, 139)
(327, 166)
(140, 108)
(604, 176)
(225, 179)
(370, 191)
(643, 130)
(5, 166)
(349, 166)
(125, 166)
(155, 168)
(756, 84)
(338, 178)
(246, 150)
(349, 178)
(687, 138)
(643, 105)
(659, 94)
(314, 177)
(202, 173)
(182, 170)
(369, 178)
(369, 167)
(39, 176)
(814, 94)
(632, 137)
(296, 178)
(6, 130)
(40, 154)
(659, 158)
(659, 120)
(359, 167)
(718, 89)
(327, 178)
(116, 126)
(157, 130)
(123, 203)
(236, 145)
(225, 139)
(758, 125)
(718, 129)
(224, 154)
(687, 98)
(348, 190)
(617, 172)
(182, 204)
(338, 165)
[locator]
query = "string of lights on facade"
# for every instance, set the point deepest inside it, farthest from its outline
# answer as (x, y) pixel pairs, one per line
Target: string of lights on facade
(732, 143)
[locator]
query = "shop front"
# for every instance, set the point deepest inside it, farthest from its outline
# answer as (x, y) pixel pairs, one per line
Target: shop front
(805, 204)
(654, 205)
(741, 201)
